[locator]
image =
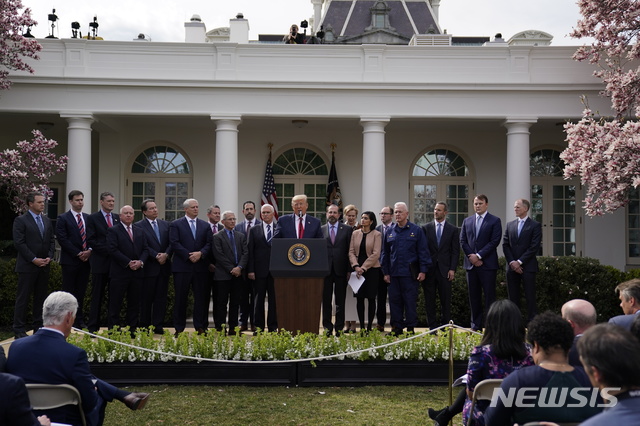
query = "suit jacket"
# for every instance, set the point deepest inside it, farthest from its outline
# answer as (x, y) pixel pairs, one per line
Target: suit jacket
(373, 248)
(183, 243)
(446, 255)
(338, 252)
(524, 247)
(287, 227)
(242, 226)
(486, 243)
(123, 251)
(68, 235)
(15, 408)
(224, 254)
(259, 251)
(30, 243)
(46, 357)
(624, 321)
(97, 239)
(151, 267)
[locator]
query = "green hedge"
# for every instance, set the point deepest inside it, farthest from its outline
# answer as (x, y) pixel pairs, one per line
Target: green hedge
(559, 279)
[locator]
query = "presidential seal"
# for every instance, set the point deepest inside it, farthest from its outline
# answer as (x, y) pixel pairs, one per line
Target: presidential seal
(299, 254)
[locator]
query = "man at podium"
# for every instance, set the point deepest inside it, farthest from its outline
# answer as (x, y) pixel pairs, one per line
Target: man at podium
(298, 224)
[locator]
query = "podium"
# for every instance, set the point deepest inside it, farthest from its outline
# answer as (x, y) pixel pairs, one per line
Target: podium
(298, 267)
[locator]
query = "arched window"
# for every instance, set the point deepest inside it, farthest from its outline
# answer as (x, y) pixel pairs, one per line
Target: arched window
(301, 171)
(163, 174)
(440, 175)
(546, 162)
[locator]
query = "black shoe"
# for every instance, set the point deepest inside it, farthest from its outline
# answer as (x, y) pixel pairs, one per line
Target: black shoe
(158, 330)
(410, 331)
(328, 333)
(395, 332)
(433, 413)
(444, 417)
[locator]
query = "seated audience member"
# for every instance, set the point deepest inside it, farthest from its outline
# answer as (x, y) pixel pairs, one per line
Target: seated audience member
(501, 351)
(581, 315)
(629, 294)
(635, 327)
(15, 408)
(46, 357)
(550, 380)
(3, 359)
(611, 356)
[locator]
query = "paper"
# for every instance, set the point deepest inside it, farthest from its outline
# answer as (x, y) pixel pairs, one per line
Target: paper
(355, 282)
(460, 381)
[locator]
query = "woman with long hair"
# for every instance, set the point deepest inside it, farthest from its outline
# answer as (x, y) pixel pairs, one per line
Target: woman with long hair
(501, 351)
(350, 213)
(364, 255)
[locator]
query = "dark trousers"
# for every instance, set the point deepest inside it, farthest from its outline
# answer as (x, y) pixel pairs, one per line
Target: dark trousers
(403, 301)
(479, 280)
(334, 285)
(183, 282)
(246, 302)
(153, 306)
(381, 309)
(118, 289)
(435, 282)
(36, 283)
(528, 280)
(229, 291)
(262, 287)
(75, 279)
(99, 285)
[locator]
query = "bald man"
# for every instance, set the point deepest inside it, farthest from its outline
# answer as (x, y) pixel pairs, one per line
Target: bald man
(582, 316)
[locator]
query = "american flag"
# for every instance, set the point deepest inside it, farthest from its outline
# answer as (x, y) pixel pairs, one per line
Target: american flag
(269, 189)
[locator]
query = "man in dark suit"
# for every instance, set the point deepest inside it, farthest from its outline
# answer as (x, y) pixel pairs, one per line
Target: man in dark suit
(581, 315)
(521, 244)
(213, 213)
(46, 357)
(259, 246)
(191, 244)
(232, 255)
(71, 231)
(15, 408)
(386, 217)
(128, 248)
(33, 238)
(338, 236)
(246, 297)
(443, 239)
(479, 238)
(298, 224)
(97, 226)
(157, 269)
(629, 295)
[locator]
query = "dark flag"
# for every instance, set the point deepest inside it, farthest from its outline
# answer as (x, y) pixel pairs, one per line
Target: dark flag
(334, 196)
(269, 189)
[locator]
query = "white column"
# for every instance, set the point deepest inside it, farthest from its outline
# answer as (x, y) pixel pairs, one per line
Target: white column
(79, 153)
(226, 166)
(373, 163)
(518, 173)
(317, 15)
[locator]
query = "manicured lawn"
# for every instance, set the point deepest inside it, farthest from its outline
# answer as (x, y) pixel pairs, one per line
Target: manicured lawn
(239, 405)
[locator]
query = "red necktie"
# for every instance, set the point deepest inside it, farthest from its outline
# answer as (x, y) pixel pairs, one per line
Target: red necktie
(300, 229)
(109, 224)
(83, 234)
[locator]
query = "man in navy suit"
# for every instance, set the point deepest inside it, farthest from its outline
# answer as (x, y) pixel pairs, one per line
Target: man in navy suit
(71, 232)
(97, 226)
(213, 214)
(629, 294)
(232, 255)
(15, 407)
(157, 269)
(191, 244)
(338, 236)
(33, 238)
(386, 217)
(521, 244)
(259, 245)
(246, 298)
(443, 239)
(128, 248)
(46, 357)
(480, 237)
(298, 224)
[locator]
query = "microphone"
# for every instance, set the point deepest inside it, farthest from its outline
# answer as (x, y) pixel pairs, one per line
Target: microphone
(300, 213)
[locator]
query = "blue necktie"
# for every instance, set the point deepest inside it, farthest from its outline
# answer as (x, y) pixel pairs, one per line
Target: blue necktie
(233, 244)
(478, 225)
(439, 233)
(156, 230)
(269, 236)
(193, 228)
(40, 225)
(520, 225)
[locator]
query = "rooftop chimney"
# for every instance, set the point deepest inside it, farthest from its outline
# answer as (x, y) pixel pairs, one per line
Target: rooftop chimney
(195, 30)
(239, 30)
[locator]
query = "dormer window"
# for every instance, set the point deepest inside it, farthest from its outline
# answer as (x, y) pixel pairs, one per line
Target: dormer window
(380, 15)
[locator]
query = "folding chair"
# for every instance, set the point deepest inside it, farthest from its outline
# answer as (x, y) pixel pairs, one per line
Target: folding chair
(482, 392)
(46, 397)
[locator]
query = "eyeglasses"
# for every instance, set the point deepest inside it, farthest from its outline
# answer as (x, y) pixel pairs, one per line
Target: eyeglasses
(384, 214)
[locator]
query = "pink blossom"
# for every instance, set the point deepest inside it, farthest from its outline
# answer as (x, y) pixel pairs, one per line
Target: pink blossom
(13, 46)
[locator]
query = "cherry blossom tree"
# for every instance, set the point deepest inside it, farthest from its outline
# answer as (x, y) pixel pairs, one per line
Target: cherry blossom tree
(28, 168)
(605, 152)
(13, 46)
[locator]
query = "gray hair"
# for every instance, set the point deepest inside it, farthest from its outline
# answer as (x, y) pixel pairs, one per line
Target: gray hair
(226, 213)
(187, 202)
(57, 306)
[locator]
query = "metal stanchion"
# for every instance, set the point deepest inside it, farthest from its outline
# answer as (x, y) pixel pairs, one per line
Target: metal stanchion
(450, 363)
